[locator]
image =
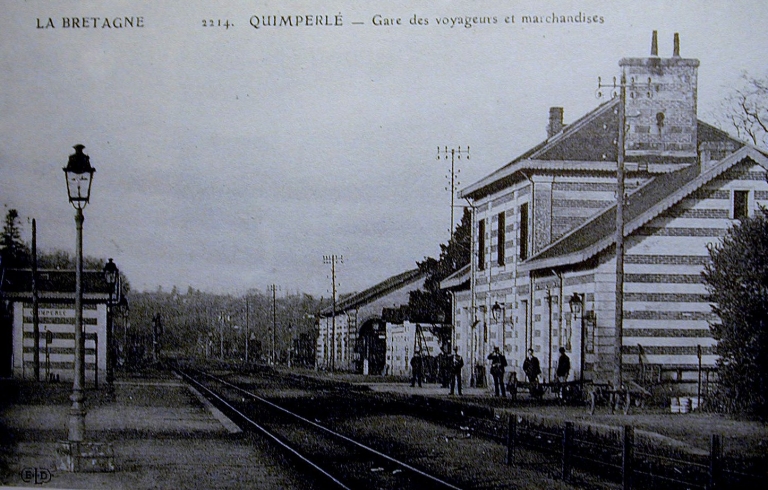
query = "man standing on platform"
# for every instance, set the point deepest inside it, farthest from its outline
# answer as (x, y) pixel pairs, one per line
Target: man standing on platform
(456, 363)
(498, 364)
(416, 365)
(532, 369)
(563, 366)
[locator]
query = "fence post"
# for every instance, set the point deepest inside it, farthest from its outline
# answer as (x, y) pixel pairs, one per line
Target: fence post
(567, 440)
(715, 455)
(511, 433)
(627, 451)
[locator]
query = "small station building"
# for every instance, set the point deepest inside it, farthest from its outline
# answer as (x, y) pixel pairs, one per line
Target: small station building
(56, 322)
(353, 336)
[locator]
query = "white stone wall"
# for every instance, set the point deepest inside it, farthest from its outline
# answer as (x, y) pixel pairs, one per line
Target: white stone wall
(57, 358)
(400, 347)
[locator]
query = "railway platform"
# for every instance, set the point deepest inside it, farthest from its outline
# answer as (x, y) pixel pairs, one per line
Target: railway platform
(163, 434)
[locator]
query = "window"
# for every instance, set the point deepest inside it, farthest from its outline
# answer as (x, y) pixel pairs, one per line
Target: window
(500, 238)
(481, 244)
(740, 204)
(524, 231)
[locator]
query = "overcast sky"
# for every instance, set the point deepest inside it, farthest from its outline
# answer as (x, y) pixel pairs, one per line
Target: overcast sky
(229, 159)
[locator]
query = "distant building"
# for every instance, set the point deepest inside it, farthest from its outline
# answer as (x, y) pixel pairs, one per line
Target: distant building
(544, 235)
(403, 339)
(56, 319)
(359, 343)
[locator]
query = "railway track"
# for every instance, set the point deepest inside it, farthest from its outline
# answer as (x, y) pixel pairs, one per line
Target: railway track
(337, 459)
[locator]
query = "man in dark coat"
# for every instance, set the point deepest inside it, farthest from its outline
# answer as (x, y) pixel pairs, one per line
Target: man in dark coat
(532, 367)
(563, 366)
(532, 370)
(498, 364)
(456, 363)
(416, 368)
(443, 368)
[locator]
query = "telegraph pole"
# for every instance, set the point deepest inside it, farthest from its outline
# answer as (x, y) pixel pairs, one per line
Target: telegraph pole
(221, 335)
(247, 333)
(621, 87)
(455, 154)
(273, 289)
(35, 302)
(332, 260)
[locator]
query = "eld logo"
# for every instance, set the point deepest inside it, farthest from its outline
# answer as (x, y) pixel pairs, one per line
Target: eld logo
(38, 475)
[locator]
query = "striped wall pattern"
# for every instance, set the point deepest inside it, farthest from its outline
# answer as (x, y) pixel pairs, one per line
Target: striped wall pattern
(666, 312)
(57, 358)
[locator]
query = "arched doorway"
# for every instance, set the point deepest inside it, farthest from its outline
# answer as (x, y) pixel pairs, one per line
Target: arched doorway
(372, 347)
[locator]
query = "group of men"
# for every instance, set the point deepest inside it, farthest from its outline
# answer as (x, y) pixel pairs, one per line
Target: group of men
(452, 368)
(455, 363)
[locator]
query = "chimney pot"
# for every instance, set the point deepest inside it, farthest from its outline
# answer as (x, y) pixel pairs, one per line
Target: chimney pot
(676, 49)
(654, 44)
(555, 121)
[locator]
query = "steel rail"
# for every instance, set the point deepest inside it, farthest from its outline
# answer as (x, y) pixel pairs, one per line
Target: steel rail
(266, 432)
(334, 433)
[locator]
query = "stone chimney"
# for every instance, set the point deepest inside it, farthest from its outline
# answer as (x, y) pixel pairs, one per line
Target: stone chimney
(555, 124)
(661, 106)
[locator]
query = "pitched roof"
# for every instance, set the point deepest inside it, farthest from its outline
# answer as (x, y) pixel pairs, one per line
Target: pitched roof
(457, 279)
(588, 144)
(374, 292)
(585, 144)
(644, 204)
(53, 284)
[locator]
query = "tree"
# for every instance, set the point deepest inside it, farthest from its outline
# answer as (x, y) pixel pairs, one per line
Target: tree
(737, 280)
(63, 260)
(14, 253)
(746, 110)
(433, 304)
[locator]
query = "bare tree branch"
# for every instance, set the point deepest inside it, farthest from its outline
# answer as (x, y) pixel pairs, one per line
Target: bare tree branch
(746, 109)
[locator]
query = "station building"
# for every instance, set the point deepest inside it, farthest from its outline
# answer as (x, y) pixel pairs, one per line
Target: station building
(543, 273)
(405, 338)
(56, 322)
(353, 336)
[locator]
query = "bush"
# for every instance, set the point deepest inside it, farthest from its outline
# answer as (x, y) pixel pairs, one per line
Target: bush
(737, 280)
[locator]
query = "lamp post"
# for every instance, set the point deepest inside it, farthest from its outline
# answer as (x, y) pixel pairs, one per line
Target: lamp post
(110, 276)
(273, 288)
(496, 310)
(79, 176)
(577, 309)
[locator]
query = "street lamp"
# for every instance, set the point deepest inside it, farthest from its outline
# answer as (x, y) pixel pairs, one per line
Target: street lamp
(79, 176)
(496, 310)
(110, 276)
(577, 308)
(576, 303)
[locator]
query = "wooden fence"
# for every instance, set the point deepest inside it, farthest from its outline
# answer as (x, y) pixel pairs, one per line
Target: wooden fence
(615, 454)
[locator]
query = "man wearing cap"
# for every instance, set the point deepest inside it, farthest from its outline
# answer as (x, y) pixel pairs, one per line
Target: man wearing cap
(532, 369)
(416, 365)
(498, 363)
(456, 363)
